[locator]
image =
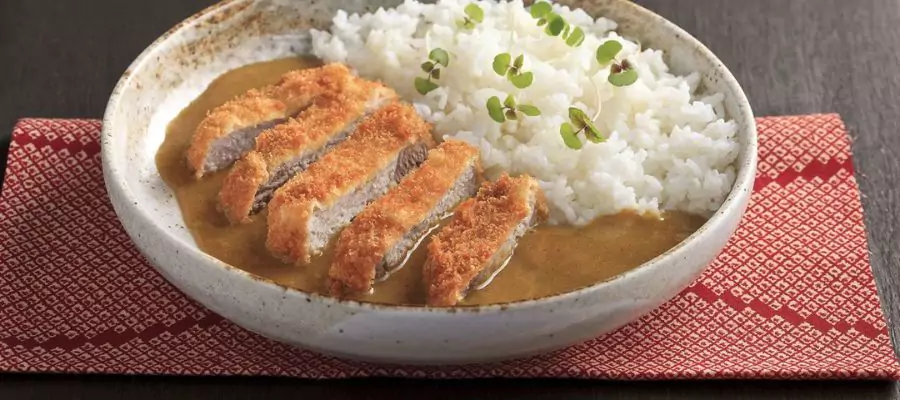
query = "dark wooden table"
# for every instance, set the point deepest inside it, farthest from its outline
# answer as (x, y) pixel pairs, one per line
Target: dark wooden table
(61, 58)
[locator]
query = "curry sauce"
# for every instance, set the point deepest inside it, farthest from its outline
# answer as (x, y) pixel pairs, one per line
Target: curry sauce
(549, 260)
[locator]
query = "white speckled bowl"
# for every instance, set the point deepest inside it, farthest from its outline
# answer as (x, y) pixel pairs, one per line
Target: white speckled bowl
(177, 67)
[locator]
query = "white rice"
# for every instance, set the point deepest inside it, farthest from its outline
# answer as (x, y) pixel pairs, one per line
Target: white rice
(666, 149)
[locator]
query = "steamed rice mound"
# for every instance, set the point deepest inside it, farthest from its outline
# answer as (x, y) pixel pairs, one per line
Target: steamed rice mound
(666, 148)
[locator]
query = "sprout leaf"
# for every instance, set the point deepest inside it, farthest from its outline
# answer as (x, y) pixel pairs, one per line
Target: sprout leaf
(529, 110)
(474, 12)
(423, 86)
(540, 9)
(510, 101)
(569, 136)
(495, 109)
(440, 56)
(623, 78)
(607, 51)
(523, 80)
(575, 38)
(555, 25)
(501, 63)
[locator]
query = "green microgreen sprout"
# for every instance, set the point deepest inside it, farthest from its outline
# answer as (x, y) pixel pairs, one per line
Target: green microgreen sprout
(555, 25)
(575, 38)
(501, 112)
(474, 16)
(621, 73)
(540, 9)
(578, 123)
(436, 58)
(606, 52)
(504, 65)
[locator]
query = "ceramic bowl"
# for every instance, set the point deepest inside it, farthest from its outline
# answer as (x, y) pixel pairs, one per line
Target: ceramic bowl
(178, 66)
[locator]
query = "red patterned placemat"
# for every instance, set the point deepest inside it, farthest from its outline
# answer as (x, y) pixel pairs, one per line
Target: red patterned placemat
(792, 296)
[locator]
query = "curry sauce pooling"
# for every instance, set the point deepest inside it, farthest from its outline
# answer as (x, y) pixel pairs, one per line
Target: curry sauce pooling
(549, 260)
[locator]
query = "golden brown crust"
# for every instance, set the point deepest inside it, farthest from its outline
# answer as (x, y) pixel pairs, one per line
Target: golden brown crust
(376, 143)
(295, 91)
(363, 244)
(479, 228)
(239, 188)
(288, 230)
(309, 131)
(312, 129)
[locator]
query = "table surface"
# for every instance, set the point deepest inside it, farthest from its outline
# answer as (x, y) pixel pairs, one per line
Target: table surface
(62, 58)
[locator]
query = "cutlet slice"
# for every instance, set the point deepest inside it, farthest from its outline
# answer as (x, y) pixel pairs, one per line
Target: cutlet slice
(289, 148)
(479, 240)
(380, 238)
(230, 130)
(308, 210)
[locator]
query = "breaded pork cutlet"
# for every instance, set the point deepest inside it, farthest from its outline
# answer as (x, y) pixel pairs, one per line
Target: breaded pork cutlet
(380, 238)
(289, 148)
(481, 237)
(230, 130)
(308, 210)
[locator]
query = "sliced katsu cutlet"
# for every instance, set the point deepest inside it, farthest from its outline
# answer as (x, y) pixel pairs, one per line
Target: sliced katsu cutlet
(308, 210)
(479, 240)
(230, 130)
(289, 148)
(380, 238)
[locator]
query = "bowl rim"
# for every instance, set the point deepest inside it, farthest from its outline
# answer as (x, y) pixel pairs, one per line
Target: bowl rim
(733, 203)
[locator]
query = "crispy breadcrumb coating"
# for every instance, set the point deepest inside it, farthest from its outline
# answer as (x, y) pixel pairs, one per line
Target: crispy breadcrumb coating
(482, 228)
(295, 91)
(362, 246)
(306, 135)
(376, 145)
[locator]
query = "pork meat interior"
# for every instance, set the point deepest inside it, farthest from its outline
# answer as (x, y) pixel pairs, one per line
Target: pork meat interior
(307, 211)
(381, 238)
(230, 130)
(289, 148)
